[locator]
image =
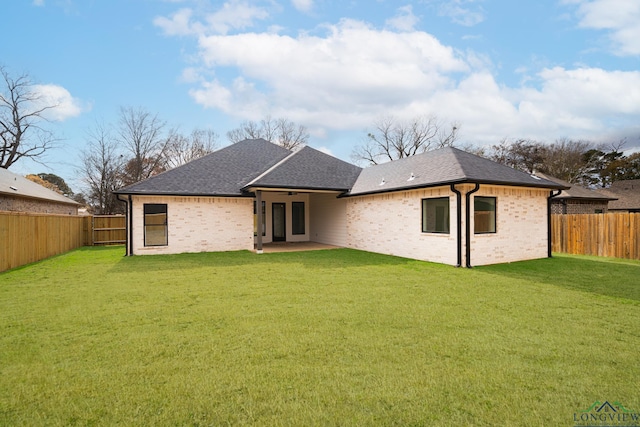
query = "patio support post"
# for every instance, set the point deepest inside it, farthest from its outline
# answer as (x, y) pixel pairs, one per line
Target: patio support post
(259, 221)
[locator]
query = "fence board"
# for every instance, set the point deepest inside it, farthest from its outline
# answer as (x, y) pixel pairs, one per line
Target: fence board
(26, 238)
(109, 229)
(610, 235)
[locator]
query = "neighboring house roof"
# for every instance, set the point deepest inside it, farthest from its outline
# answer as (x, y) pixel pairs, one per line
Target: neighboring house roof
(310, 169)
(576, 191)
(441, 167)
(627, 193)
(19, 186)
(247, 165)
(224, 172)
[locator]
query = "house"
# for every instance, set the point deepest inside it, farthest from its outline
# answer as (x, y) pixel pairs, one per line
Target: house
(627, 193)
(18, 194)
(446, 206)
(577, 199)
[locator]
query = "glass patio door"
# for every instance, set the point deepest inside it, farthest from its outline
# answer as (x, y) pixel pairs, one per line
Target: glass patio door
(279, 222)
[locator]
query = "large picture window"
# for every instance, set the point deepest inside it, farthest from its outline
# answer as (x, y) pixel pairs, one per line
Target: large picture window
(297, 218)
(435, 215)
(484, 214)
(255, 219)
(155, 225)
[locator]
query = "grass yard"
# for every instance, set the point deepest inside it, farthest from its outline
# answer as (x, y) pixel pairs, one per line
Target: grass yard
(336, 337)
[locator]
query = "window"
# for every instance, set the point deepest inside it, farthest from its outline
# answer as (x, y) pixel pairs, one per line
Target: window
(155, 225)
(297, 218)
(255, 219)
(484, 215)
(435, 215)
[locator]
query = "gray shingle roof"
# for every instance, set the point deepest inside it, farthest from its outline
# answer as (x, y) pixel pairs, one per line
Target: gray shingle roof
(628, 194)
(224, 172)
(441, 167)
(576, 191)
(27, 188)
(235, 169)
(310, 169)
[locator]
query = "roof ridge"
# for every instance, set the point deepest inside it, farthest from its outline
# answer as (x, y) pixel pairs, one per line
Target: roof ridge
(272, 168)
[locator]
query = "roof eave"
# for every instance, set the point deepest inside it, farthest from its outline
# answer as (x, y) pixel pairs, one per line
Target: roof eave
(252, 188)
(458, 181)
(179, 194)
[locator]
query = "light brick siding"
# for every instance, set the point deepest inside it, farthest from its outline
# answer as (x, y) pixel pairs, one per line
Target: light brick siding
(22, 204)
(328, 219)
(578, 207)
(198, 224)
(391, 224)
(521, 226)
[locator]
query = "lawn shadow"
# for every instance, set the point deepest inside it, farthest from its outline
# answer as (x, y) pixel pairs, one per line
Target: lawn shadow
(604, 276)
(320, 259)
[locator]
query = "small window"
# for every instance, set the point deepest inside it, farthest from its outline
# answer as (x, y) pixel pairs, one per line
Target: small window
(435, 215)
(155, 225)
(297, 218)
(484, 215)
(255, 219)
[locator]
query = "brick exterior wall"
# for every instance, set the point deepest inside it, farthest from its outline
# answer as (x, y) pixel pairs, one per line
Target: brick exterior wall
(521, 226)
(578, 207)
(22, 204)
(198, 224)
(391, 223)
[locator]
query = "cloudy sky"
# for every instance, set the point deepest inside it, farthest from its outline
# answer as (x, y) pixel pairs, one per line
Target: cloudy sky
(543, 69)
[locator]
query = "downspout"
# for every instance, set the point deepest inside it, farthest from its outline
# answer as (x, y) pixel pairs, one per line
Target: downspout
(458, 222)
(551, 195)
(468, 224)
(130, 225)
(128, 229)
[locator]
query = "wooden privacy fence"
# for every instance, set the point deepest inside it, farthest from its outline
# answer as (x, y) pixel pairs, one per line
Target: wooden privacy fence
(26, 237)
(610, 235)
(108, 230)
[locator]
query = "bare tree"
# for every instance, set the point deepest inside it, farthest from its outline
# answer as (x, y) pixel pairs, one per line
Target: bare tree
(22, 134)
(101, 170)
(280, 131)
(524, 154)
(394, 139)
(141, 134)
(565, 159)
(182, 149)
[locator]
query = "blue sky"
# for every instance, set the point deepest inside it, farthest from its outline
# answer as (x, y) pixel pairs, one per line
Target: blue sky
(544, 69)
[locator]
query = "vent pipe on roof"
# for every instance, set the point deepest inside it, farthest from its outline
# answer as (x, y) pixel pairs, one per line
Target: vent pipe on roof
(13, 188)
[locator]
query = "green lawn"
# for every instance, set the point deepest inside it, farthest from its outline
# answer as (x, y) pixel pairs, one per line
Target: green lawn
(337, 337)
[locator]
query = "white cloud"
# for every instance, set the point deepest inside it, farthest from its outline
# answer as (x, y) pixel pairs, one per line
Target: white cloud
(233, 15)
(179, 24)
(344, 78)
(66, 106)
(353, 64)
(620, 17)
(303, 5)
(405, 20)
(462, 12)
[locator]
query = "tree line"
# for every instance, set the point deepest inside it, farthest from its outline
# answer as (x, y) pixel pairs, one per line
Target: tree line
(140, 144)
